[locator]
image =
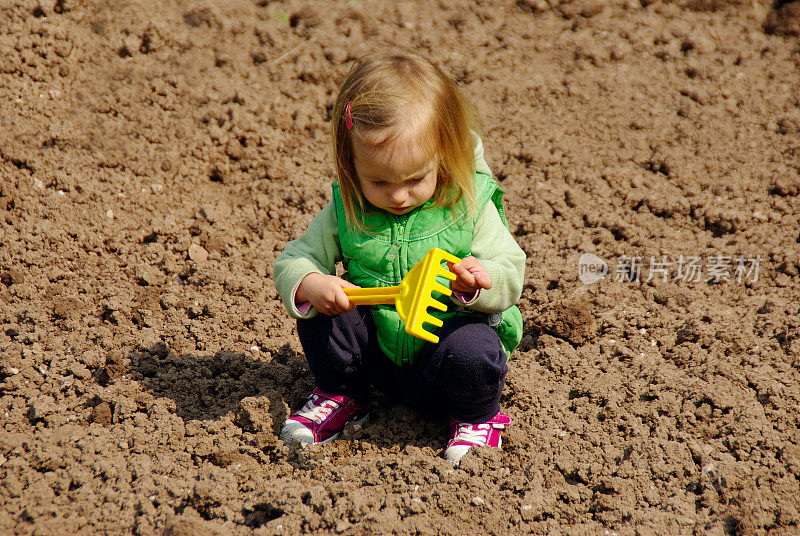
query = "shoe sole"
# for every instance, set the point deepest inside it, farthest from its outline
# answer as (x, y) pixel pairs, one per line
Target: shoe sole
(356, 424)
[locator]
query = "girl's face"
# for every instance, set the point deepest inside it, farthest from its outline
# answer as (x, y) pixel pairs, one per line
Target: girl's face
(396, 175)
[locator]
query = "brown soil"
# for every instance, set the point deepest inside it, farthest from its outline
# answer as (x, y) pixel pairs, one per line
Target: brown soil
(156, 156)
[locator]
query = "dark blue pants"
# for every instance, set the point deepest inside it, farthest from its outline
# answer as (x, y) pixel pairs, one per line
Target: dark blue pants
(463, 374)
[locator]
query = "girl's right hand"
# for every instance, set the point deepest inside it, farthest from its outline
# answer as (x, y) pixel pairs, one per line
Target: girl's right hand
(325, 293)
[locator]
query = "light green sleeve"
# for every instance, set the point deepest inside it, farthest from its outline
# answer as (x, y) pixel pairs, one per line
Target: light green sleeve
(480, 162)
(494, 246)
(316, 250)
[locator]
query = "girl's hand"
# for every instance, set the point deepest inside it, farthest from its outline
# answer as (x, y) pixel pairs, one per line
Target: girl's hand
(325, 293)
(471, 276)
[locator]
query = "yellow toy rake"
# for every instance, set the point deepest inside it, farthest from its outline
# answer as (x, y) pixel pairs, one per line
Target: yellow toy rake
(414, 294)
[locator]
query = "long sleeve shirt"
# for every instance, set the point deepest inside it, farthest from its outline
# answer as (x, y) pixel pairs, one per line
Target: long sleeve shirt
(317, 251)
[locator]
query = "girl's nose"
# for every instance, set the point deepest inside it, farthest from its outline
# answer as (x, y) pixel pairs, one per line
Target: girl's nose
(398, 195)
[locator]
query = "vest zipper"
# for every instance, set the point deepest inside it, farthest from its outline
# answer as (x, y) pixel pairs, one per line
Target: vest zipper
(399, 228)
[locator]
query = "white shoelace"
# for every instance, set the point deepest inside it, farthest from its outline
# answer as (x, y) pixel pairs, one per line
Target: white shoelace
(318, 412)
(478, 435)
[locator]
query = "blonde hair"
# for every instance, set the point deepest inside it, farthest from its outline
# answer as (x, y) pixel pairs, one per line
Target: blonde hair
(406, 93)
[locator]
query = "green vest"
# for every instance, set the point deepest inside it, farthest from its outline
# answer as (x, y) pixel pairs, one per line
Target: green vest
(389, 246)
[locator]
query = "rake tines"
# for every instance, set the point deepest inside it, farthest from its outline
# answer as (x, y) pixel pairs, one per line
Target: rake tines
(414, 294)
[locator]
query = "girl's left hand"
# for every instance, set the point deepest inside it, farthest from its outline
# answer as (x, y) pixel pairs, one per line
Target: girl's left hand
(471, 276)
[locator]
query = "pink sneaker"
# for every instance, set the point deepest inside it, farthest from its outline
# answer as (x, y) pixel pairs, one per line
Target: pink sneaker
(323, 418)
(464, 436)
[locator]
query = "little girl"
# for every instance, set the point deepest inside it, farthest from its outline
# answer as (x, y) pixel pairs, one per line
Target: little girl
(411, 176)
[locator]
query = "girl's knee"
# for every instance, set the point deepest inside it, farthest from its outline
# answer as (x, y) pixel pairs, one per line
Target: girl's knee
(343, 330)
(476, 339)
(473, 350)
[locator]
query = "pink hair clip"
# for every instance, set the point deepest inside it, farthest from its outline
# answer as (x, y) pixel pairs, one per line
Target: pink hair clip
(348, 119)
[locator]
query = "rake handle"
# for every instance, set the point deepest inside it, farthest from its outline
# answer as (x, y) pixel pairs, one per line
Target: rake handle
(373, 296)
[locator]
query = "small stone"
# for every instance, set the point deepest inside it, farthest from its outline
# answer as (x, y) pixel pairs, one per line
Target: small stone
(416, 506)
(709, 470)
(527, 512)
(477, 501)
(198, 253)
(110, 214)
